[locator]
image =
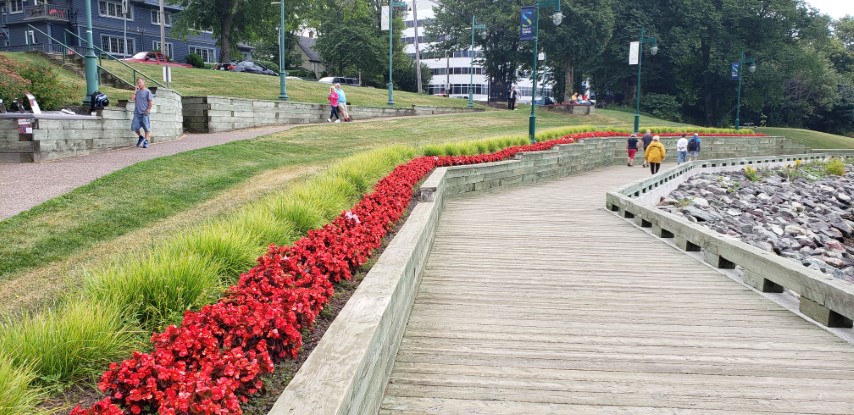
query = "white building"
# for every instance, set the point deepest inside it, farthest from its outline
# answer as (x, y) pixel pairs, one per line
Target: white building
(451, 74)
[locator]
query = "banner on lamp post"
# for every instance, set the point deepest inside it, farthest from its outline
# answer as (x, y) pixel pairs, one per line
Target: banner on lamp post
(384, 19)
(734, 70)
(634, 53)
(526, 24)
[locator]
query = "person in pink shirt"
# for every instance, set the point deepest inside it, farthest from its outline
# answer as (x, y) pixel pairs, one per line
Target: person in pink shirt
(333, 102)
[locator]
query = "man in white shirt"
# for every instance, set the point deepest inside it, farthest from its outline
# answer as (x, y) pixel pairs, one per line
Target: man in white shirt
(681, 150)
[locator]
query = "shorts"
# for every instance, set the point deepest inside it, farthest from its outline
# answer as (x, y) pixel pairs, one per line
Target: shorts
(632, 152)
(693, 154)
(141, 121)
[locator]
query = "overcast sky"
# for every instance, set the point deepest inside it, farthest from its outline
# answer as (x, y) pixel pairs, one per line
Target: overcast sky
(835, 8)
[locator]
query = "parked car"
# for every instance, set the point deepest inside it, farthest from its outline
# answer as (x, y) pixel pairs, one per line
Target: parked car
(154, 58)
(225, 66)
(339, 80)
(252, 67)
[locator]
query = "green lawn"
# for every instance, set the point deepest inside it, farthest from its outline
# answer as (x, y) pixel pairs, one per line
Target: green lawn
(205, 82)
(811, 139)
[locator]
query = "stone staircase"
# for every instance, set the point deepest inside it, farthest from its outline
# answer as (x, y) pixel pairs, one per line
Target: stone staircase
(77, 65)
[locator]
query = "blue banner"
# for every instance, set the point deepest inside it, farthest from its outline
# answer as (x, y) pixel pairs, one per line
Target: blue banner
(733, 71)
(526, 25)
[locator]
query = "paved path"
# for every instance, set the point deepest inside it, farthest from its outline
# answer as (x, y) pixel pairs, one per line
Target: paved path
(538, 301)
(24, 185)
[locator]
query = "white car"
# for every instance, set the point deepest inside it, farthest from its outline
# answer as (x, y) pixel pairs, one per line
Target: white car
(339, 80)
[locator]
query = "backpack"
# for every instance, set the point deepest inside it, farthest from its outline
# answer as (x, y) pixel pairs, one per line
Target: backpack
(98, 101)
(693, 144)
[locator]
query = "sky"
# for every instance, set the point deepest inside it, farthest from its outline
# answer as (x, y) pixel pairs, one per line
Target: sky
(835, 8)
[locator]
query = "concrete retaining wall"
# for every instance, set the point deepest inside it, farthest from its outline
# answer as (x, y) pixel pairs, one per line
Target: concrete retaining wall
(825, 299)
(54, 138)
(217, 114)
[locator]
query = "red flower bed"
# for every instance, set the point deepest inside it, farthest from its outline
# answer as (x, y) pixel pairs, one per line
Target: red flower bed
(212, 361)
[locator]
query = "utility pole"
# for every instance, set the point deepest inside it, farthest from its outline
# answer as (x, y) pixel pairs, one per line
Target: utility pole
(417, 49)
(163, 43)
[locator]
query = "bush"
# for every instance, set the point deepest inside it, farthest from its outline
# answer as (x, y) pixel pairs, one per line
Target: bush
(12, 85)
(195, 60)
(68, 342)
(45, 85)
(17, 397)
(662, 106)
(835, 167)
(269, 65)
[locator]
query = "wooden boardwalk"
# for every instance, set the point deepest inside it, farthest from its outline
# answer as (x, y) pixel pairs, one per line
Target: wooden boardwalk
(538, 301)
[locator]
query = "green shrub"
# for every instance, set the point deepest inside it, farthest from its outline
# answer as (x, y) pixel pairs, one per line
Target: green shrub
(157, 288)
(12, 85)
(45, 85)
(232, 247)
(269, 65)
(662, 106)
(71, 341)
(835, 167)
(19, 395)
(195, 60)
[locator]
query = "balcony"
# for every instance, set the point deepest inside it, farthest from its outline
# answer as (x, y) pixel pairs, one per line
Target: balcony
(46, 12)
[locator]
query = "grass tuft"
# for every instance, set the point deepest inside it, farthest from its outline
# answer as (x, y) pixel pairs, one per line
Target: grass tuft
(18, 396)
(232, 247)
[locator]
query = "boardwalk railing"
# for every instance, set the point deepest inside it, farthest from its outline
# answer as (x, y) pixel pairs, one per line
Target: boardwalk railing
(823, 298)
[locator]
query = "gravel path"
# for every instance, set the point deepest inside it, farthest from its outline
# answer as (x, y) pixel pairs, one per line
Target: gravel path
(25, 185)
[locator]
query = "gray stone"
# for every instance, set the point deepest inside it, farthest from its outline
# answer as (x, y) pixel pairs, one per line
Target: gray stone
(699, 201)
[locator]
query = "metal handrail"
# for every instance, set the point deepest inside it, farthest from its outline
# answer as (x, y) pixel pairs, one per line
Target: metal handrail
(109, 55)
(66, 48)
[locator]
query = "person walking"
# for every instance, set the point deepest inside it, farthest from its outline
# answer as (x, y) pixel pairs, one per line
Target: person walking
(342, 103)
(647, 138)
(694, 147)
(654, 154)
(632, 149)
(143, 98)
(681, 150)
(511, 98)
(333, 102)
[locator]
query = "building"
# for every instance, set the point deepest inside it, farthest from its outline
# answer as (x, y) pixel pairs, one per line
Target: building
(310, 58)
(118, 33)
(452, 72)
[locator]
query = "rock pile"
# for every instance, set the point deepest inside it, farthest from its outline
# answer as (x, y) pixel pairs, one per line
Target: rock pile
(809, 221)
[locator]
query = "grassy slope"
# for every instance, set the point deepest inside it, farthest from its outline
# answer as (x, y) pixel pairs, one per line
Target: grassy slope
(77, 83)
(811, 139)
(154, 190)
(200, 82)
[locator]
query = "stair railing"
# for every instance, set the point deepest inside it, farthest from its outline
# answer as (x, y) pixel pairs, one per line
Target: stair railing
(102, 52)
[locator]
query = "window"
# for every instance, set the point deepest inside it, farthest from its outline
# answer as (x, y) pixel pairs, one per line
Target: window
(114, 45)
(208, 54)
(155, 45)
(113, 9)
(155, 18)
(16, 6)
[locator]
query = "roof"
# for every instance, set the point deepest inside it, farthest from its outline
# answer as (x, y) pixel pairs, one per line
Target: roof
(307, 45)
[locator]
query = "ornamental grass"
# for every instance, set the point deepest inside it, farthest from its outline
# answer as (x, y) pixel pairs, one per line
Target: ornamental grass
(19, 395)
(71, 341)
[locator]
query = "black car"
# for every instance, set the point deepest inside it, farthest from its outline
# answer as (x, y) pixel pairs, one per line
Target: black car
(252, 67)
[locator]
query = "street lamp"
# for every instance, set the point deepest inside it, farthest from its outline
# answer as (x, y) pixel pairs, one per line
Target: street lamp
(474, 26)
(653, 50)
(91, 59)
(752, 68)
(391, 5)
(557, 17)
(283, 90)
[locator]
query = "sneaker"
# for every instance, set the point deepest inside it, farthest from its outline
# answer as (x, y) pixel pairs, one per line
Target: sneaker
(139, 142)
(144, 143)
(337, 120)
(329, 120)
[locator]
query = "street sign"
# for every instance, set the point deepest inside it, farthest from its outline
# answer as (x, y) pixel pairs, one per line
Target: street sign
(734, 71)
(384, 19)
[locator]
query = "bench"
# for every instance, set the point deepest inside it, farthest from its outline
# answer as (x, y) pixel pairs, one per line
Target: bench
(583, 109)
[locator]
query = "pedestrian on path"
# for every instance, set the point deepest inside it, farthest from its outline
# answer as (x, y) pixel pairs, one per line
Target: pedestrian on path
(654, 154)
(342, 103)
(681, 150)
(511, 98)
(694, 147)
(333, 102)
(647, 138)
(632, 149)
(143, 98)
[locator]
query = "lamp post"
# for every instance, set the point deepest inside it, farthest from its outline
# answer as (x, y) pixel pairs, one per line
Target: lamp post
(474, 26)
(752, 68)
(391, 5)
(653, 50)
(283, 90)
(91, 59)
(557, 17)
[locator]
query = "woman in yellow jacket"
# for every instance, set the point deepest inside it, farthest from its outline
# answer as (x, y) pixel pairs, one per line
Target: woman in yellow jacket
(654, 154)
